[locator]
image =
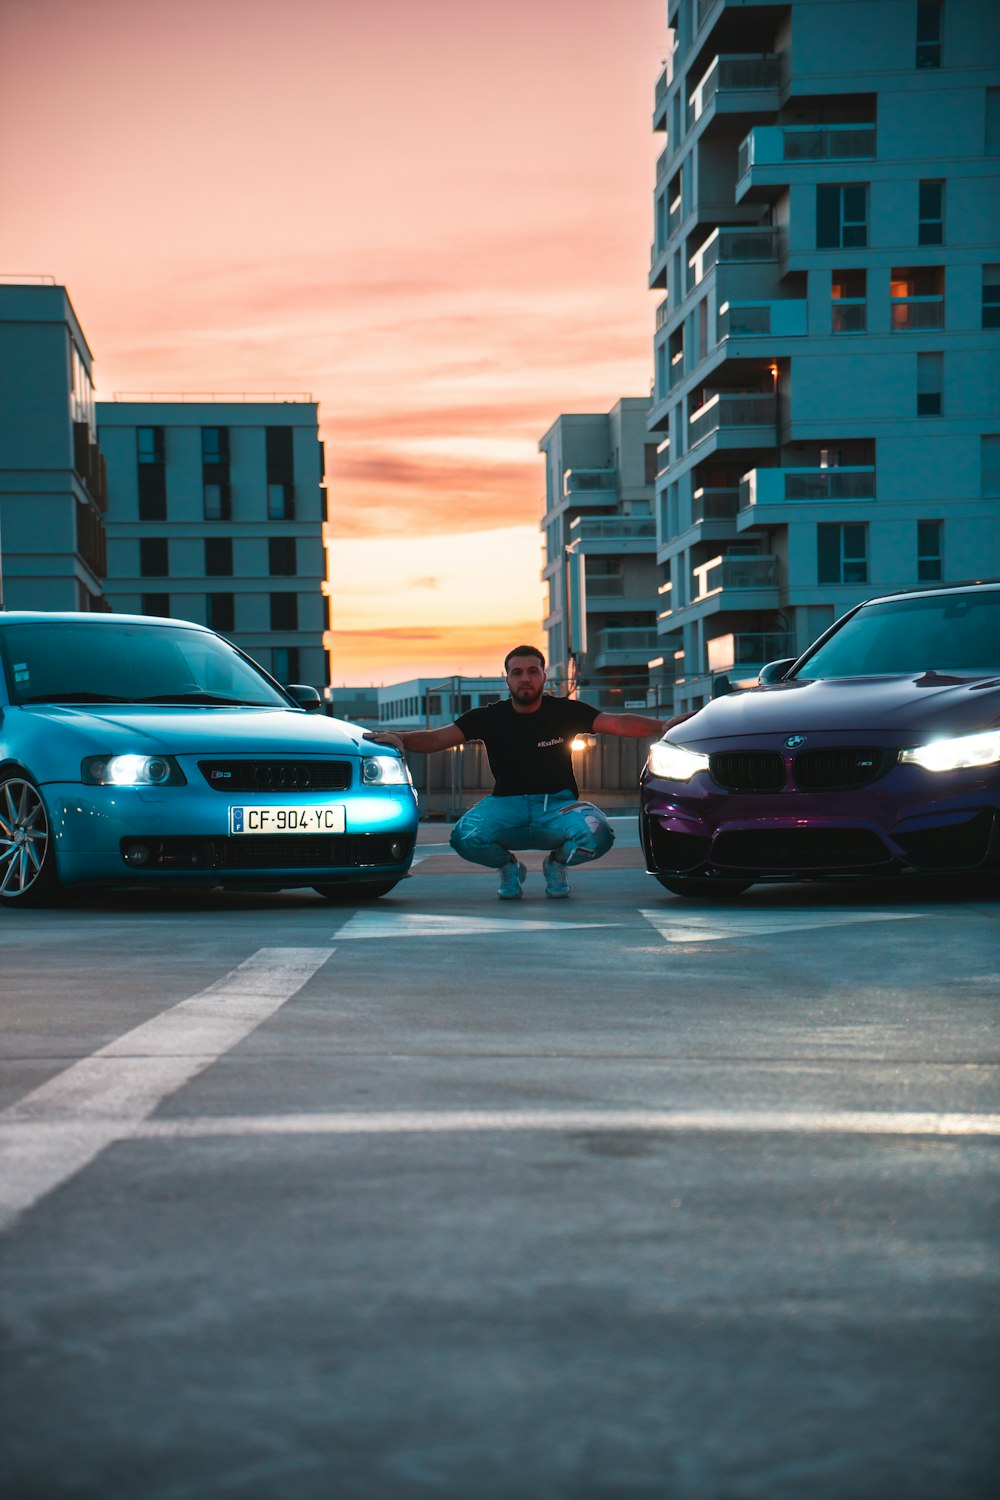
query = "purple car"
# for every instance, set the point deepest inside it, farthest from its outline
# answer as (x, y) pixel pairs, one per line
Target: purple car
(876, 751)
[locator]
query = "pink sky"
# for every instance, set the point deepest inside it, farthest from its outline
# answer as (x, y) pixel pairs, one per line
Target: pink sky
(434, 217)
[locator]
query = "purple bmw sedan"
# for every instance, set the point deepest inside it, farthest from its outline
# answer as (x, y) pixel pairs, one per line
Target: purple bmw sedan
(875, 752)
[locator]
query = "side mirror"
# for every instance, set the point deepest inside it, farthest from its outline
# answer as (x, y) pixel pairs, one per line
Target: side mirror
(774, 671)
(306, 697)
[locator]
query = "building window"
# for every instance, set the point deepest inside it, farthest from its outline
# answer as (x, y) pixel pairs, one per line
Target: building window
(154, 604)
(280, 502)
(842, 552)
(220, 611)
(284, 612)
(930, 224)
(930, 567)
(217, 502)
(929, 27)
(841, 215)
(917, 298)
(152, 473)
(930, 384)
(280, 473)
(219, 556)
(991, 296)
(285, 663)
(989, 466)
(215, 445)
(215, 473)
(153, 557)
(281, 556)
(849, 292)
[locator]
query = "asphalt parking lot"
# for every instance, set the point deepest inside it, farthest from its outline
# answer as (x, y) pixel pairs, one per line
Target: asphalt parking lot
(442, 1196)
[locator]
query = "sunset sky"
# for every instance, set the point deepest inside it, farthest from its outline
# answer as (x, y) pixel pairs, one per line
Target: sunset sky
(433, 217)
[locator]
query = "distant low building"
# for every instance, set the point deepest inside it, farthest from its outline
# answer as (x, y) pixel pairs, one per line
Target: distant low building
(424, 702)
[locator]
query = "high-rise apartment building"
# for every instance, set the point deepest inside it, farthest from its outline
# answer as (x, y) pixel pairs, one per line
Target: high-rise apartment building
(215, 513)
(600, 553)
(52, 476)
(827, 348)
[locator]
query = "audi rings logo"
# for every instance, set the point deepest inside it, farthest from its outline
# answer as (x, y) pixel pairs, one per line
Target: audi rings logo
(795, 742)
(272, 777)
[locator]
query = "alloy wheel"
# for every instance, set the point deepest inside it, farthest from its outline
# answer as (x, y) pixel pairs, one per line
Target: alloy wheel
(24, 838)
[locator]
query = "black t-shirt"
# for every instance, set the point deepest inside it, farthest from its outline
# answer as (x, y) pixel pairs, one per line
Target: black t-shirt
(530, 754)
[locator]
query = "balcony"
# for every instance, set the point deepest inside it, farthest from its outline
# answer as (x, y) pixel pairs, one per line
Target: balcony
(751, 575)
(613, 534)
(769, 151)
(737, 82)
(714, 505)
(785, 318)
(915, 314)
(746, 653)
(795, 486)
(624, 647)
(727, 246)
(746, 419)
(660, 96)
(590, 487)
(89, 463)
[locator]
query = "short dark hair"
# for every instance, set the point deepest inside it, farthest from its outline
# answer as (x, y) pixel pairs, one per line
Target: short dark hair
(523, 651)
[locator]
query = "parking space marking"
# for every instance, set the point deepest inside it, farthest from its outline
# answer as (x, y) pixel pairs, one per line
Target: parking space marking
(663, 1122)
(392, 924)
(694, 927)
(57, 1129)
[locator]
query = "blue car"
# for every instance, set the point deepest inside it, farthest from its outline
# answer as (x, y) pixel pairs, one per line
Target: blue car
(874, 753)
(149, 753)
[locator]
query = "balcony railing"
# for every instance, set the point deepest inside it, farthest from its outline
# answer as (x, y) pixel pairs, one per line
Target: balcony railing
(780, 319)
(751, 649)
(605, 586)
(776, 486)
(756, 409)
(735, 72)
(613, 528)
(714, 505)
(727, 245)
(662, 313)
(625, 644)
(768, 145)
(912, 314)
(734, 573)
(602, 481)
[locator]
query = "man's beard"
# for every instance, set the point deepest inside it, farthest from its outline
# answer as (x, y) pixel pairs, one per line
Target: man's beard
(527, 694)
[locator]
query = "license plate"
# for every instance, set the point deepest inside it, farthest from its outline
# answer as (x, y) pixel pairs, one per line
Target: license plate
(296, 819)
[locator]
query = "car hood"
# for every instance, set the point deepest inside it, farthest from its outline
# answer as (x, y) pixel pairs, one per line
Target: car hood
(180, 730)
(886, 705)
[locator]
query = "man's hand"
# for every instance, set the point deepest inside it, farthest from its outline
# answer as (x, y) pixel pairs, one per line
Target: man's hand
(384, 737)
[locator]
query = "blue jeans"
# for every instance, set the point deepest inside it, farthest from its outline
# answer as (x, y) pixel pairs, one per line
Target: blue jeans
(491, 831)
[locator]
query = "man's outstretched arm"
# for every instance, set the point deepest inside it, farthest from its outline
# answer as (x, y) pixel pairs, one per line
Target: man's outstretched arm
(423, 740)
(635, 726)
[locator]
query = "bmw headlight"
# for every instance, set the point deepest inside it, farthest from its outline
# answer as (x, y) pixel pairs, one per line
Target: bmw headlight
(962, 752)
(132, 770)
(674, 763)
(385, 770)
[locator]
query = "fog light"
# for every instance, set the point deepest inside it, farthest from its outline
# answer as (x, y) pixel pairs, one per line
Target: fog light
(397, 849)
(136, 854)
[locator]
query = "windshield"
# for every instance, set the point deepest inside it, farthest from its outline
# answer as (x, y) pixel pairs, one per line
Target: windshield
(80, 661)
(950, 634)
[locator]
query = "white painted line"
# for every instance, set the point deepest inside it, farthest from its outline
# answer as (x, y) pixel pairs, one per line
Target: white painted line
(695, 927)
(57, 1129)
(666, 1122)
(424, 851)
(392, 924)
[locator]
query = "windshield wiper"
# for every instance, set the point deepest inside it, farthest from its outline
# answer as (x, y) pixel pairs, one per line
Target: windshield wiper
(74, 698)
(209, 699)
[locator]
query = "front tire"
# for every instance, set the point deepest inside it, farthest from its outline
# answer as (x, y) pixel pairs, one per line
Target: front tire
(704, 886)
(27, 854)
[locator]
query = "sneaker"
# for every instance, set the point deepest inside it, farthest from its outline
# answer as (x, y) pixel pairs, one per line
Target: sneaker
(556, 879)
(511, 880)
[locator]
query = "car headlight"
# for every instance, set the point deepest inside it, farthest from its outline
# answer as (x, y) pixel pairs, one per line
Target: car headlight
(959, 753)
(132, 770)
(675, 763)
(385, 770)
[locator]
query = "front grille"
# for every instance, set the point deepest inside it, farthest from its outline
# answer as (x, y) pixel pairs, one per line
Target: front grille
(834, 770)
(277, 775)
(320, 851)
(960, 846)
(799, 849)
(747, 770)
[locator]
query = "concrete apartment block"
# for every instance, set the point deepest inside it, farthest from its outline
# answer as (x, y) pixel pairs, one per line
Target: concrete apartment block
(216, 509)
(52, 476)
(600, 554)
(827, 346)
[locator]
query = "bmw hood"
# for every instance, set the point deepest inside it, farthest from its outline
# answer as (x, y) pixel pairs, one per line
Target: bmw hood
(154, 729)
(898, 706)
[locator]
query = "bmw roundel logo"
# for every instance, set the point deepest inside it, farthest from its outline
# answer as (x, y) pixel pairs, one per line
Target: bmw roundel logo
(795, 741)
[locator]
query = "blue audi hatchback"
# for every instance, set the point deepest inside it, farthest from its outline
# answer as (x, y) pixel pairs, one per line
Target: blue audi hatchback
(147, 752)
